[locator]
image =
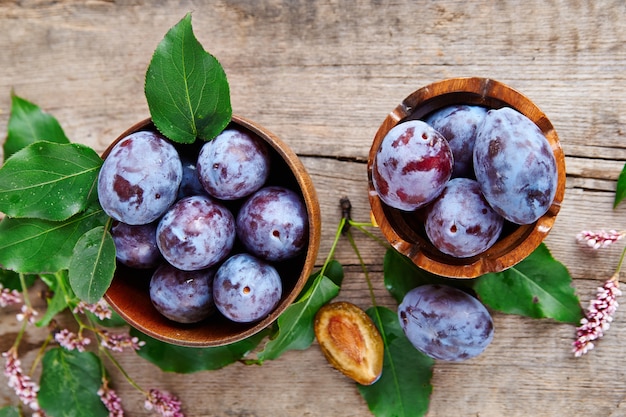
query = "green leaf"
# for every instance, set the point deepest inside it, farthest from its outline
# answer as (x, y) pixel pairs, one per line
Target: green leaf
(620, 191)
(49, 181)
(11, 280)
(401, 275)
(56, 304)
(185, 360)
(58, 284)
(69, 384)
(92, 264)
(9, 411)
(186, 88)
(35, 246)
(404, 387)
(538, 287)
(295, 324)
(29, 124)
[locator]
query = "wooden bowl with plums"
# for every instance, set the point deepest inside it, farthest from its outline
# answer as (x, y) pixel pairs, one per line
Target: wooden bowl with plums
(248, 210)
(466, 177)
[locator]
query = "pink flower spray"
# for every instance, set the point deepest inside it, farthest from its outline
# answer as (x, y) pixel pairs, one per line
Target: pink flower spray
(601, 310)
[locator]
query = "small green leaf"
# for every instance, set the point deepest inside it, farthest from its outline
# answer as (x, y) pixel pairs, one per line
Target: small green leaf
(35, 246)
(538, 287)
(401, 275)
(404, 387)
(56, 304)
(49, 181)
(29, 124)
(9, 411)
(620, 191)
(69, 384)
(58, 284)
(295, 324)
(92, 264)
(185, 360)
(186, 88)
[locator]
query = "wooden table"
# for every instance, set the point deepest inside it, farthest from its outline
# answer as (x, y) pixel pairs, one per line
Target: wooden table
(323, 75)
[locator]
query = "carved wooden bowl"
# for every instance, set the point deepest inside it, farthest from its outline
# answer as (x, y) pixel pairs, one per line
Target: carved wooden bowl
(128, 294)
(405, 230)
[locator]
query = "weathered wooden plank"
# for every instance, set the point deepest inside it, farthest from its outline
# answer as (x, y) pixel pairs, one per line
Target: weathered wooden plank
(323, 75)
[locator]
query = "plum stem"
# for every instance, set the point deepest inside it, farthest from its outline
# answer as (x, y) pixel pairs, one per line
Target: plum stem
(370, 287)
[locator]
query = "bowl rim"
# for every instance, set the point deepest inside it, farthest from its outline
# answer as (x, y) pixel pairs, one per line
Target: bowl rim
(183, 335)
(488, 93)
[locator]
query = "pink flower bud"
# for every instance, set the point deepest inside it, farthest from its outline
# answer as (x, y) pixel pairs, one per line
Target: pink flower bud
(164, 403)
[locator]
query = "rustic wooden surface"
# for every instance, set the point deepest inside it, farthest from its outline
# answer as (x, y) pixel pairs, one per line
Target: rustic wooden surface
(322, 75)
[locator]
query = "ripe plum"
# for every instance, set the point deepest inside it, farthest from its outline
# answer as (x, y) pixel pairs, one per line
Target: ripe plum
(139, 179)
(233, 165)
(515, 166)
(445, 323)
(196, 233)
(190, 184)
(182, 296)
(273, 224)
(459, 124)
(135, 246)
(412, 165)
(460, 222)
(246, 289)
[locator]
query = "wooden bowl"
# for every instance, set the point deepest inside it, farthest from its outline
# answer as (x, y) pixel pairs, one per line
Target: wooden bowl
(405, 230)
(128, 294)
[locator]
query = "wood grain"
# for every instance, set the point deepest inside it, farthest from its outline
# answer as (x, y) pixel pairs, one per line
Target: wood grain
(322, 75)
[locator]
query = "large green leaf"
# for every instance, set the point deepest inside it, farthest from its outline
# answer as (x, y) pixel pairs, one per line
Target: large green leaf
(49, 181)
(401, 275)
(295, 324)
(185, 360)
(404, 387)
(34, 246)
(186, 88)
(92, 264)
(69, 384)
(29, 124)
(620, 191)
(538, 287)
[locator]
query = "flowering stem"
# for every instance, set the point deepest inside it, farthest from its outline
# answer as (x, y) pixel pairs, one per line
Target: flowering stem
(20, 334)
(130, 380)
(42, 351)
(24, 290)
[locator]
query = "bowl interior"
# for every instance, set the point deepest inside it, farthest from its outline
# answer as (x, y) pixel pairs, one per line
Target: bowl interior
(128, 294)
(405, 230)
